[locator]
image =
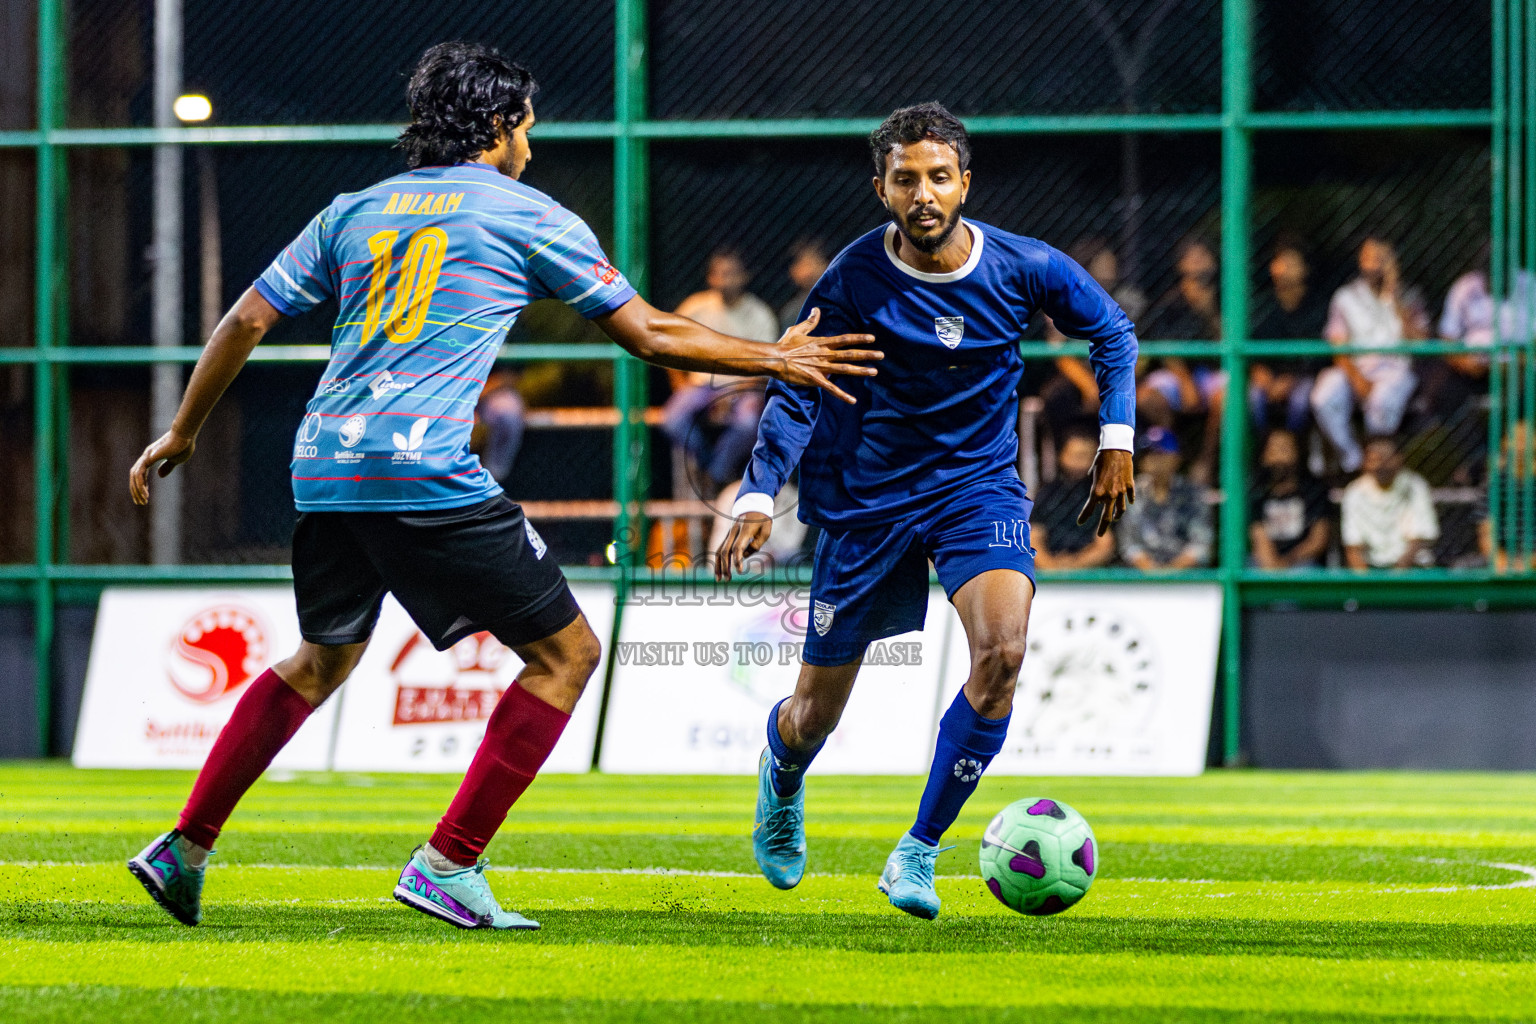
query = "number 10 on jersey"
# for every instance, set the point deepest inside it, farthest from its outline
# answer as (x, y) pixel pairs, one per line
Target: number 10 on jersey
(413, 293)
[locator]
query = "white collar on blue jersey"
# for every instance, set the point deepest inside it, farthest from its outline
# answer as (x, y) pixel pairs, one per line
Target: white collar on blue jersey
(977, 240)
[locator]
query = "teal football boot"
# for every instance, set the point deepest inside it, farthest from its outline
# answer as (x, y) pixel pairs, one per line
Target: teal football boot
(165, 876)
(908, 877)
(778, 837)
(462, 898)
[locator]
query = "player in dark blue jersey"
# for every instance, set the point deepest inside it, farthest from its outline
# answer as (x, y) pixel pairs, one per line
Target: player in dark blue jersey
(921, 467)
(429, 269)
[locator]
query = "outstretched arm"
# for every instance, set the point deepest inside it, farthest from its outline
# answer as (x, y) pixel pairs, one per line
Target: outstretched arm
(226, 352)
(667, 339)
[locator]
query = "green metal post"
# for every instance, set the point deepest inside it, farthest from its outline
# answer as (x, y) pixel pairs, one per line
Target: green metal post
(1236, 184)
(631, 204)
(1496, 275)
(1515, 174)
(50, 290)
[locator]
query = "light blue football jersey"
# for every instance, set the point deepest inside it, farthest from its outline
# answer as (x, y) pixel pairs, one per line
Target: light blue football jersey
(430, 269)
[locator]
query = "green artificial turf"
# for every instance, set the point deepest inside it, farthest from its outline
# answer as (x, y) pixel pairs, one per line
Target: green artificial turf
(1239, 896)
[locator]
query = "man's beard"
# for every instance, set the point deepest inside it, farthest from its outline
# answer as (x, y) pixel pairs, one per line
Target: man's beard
(932, 243)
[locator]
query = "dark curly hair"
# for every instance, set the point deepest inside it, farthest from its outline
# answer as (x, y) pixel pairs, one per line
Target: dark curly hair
(914, 124)
(462, 95)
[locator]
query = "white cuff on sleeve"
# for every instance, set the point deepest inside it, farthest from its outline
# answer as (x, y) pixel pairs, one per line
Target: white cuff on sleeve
(752, 501)
(1117, 436)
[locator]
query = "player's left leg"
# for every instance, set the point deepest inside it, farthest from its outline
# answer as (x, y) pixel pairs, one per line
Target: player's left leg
(485, 568)
(980, 547)
(445, 878)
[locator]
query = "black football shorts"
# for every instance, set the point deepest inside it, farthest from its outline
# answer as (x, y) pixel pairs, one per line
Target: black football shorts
(456, 571)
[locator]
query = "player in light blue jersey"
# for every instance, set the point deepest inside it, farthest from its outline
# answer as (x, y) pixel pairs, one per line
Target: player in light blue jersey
(429, 269)
(922, 468)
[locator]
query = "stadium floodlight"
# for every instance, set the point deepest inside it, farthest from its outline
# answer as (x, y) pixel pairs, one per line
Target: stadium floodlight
(192, 107)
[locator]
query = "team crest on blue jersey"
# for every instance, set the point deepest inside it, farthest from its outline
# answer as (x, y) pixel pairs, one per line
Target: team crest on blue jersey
(950, 329)
(822, 618)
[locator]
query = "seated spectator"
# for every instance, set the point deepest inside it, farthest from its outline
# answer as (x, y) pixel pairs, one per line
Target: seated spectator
(807, 262)
(1190, 312)
(1372, 310)
(1060, 543)
(1073, 392)
(1169, 526)
(1448, 383)
(1296, 312)
(1288, 519)
(497, 435)
(715, 420)
(1519, 449)
(1389, 519)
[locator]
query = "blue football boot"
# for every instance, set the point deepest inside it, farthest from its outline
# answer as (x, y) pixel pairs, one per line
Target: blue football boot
(908, 877)
(462, 898)
(165, 876)
(778, 837)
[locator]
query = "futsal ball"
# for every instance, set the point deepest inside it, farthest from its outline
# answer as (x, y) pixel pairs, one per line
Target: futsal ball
(1039, 856)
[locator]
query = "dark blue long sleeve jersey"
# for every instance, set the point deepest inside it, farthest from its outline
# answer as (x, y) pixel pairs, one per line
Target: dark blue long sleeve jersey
(942, 412)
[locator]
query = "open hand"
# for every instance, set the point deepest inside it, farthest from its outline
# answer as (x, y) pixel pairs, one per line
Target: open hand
(1113, 491)
(809, 361)
(746, 537)
(169, 450)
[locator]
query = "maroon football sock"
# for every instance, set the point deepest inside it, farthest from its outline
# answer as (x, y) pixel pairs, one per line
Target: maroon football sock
(518, 738)
(264, 721)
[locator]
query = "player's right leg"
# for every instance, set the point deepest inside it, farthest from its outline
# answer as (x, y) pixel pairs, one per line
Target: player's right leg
(797, 727)
(866, 584)
(172, 868)
(338, 594)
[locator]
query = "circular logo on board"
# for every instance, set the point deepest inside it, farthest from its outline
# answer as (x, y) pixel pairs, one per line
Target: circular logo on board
(217, 651)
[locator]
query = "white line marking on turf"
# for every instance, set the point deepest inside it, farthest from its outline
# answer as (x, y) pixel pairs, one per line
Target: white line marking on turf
(1527, 882)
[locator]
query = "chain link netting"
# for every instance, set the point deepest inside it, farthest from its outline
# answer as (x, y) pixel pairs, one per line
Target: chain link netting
(18, 65)
(1371, 54)
(851, 58)
(339, 61)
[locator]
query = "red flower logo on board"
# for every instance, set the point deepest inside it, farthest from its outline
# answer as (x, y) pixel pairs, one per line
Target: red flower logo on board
(216, 652)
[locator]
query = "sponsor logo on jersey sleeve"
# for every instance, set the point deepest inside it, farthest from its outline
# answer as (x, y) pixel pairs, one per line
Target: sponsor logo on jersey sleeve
(950, 329)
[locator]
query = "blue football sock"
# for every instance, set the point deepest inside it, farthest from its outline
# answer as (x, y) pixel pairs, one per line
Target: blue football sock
(789, 766)
(967, 744)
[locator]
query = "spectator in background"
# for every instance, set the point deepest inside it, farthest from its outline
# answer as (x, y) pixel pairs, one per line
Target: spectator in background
(1389, 519)
(1191, 311)
(1297, 311)
(807, 262)
(1468, 317)
(715, 421)
(500, 420)
(1288, 520)
(1074, 392)
(1060, 543)
(1169, 526)
(1373, 310)
(1518, 450)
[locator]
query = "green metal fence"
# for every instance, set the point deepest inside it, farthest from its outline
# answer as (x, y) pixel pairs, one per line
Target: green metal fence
(631, 131)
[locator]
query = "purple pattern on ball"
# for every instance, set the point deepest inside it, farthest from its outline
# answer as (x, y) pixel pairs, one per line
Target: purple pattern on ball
(997, 890)
(1083, 857)
(1047, 807)
(1027, 865)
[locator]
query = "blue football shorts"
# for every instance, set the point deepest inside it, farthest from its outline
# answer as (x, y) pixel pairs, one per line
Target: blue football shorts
(872, 582)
